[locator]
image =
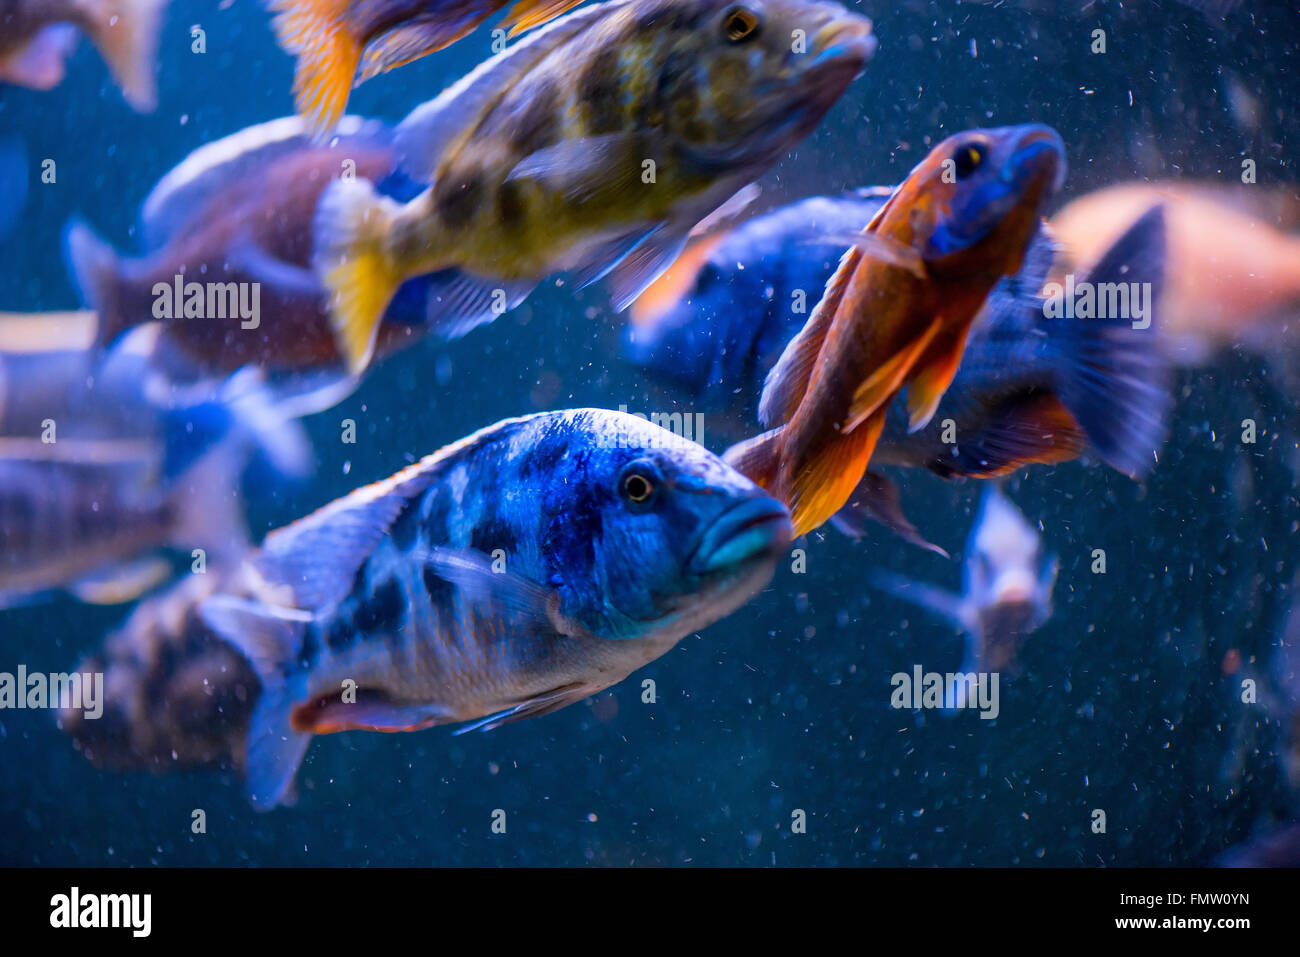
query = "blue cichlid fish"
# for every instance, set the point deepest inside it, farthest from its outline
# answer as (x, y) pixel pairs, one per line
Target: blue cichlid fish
(36, 37)
(592, 147)
(1007, 580)
(519, 570)
(1030, 389)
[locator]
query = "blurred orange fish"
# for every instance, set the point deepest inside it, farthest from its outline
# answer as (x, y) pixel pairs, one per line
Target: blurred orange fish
(332, 38)
(1231, 271)
(897, 312)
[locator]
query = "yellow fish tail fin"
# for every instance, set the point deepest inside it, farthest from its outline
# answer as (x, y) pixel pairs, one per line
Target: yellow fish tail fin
(527, 14)
(352, 223)
(126, 34)
(825, 483)
(316, 33)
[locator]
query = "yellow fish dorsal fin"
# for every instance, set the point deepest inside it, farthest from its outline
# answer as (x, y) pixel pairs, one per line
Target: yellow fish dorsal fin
(787, 383)
(883, 384)
(527, 14)
(825, 483)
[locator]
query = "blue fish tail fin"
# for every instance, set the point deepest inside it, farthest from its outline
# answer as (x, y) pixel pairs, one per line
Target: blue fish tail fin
(95, 269)
(1115, 379)
(269, 638)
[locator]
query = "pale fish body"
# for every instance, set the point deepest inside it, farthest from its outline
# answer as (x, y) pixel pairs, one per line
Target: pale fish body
(593, 147)
(519, 570)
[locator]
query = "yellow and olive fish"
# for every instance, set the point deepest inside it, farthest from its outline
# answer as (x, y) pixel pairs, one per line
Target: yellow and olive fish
(333, 38)
(896, 314)
(592, 147)
(36, 36)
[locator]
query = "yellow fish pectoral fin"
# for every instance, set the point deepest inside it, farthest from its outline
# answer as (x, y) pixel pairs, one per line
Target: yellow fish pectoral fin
(828, 479)
(527, 14)
(883, 384)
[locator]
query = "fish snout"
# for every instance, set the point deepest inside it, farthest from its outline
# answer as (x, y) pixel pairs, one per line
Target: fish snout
(844, 37)
(1038, 154)
(757, 526)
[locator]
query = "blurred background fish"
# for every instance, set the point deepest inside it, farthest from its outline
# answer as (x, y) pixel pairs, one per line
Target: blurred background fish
(1007, 581)
(517, 571)
(594, 146)
(1233, 259)
(240, 211)
(35, 38)
(897, 312)
(334, 39)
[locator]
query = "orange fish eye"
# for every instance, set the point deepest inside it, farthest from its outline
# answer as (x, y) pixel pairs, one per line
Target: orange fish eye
(740, 24)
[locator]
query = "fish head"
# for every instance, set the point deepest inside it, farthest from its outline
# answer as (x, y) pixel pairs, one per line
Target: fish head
(740, 82)
(1009, 577)
(977, 200)
(671, 539)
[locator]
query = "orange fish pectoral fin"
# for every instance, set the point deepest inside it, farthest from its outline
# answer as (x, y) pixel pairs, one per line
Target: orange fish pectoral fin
(879, 389)
(928, 383)
(527, 14)
(826, 481)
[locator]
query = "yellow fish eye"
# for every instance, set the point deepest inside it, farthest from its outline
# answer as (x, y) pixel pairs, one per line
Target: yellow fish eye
(740, 24)
(968, 159)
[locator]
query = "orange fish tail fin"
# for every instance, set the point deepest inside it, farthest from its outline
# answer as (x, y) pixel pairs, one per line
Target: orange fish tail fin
(527, 14)
(327, 54)
(126, 34)
(352, 223)
(826, 481)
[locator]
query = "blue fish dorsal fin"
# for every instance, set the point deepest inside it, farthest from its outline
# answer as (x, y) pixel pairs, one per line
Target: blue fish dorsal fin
(436, 128)
(214, 166)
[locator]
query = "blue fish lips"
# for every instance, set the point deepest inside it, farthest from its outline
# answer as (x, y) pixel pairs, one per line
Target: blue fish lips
(1039, 153)
(758, 527)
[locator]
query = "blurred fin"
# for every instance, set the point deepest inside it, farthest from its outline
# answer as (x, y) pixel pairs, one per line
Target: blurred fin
(458, 302)
(526, 14)
(269, 638)
(1116, 379)
(877, 499)
(643, 264)
(534, 707)
(662, 296)
(413, 39)
(758, 459)
(352, 221)
(272, 426)
(372, 710)
(876, 246)
(121, 581)
(127, 36)
(938, 601)
(39, 65)
(95, 267)
(316, 33)
(1030, 430)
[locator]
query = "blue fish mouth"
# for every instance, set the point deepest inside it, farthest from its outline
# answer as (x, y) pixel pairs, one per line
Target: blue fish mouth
(1040, 147)
(755, 526)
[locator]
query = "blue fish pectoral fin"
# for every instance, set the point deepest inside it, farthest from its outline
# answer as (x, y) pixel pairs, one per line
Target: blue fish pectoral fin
(877, 499)
(939, 601)
(458, 302)
(500, 594)
(533, 707)
(269, 637)
(121, 581)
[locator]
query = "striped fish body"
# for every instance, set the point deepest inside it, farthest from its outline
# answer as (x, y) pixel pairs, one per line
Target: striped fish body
(517, 571)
